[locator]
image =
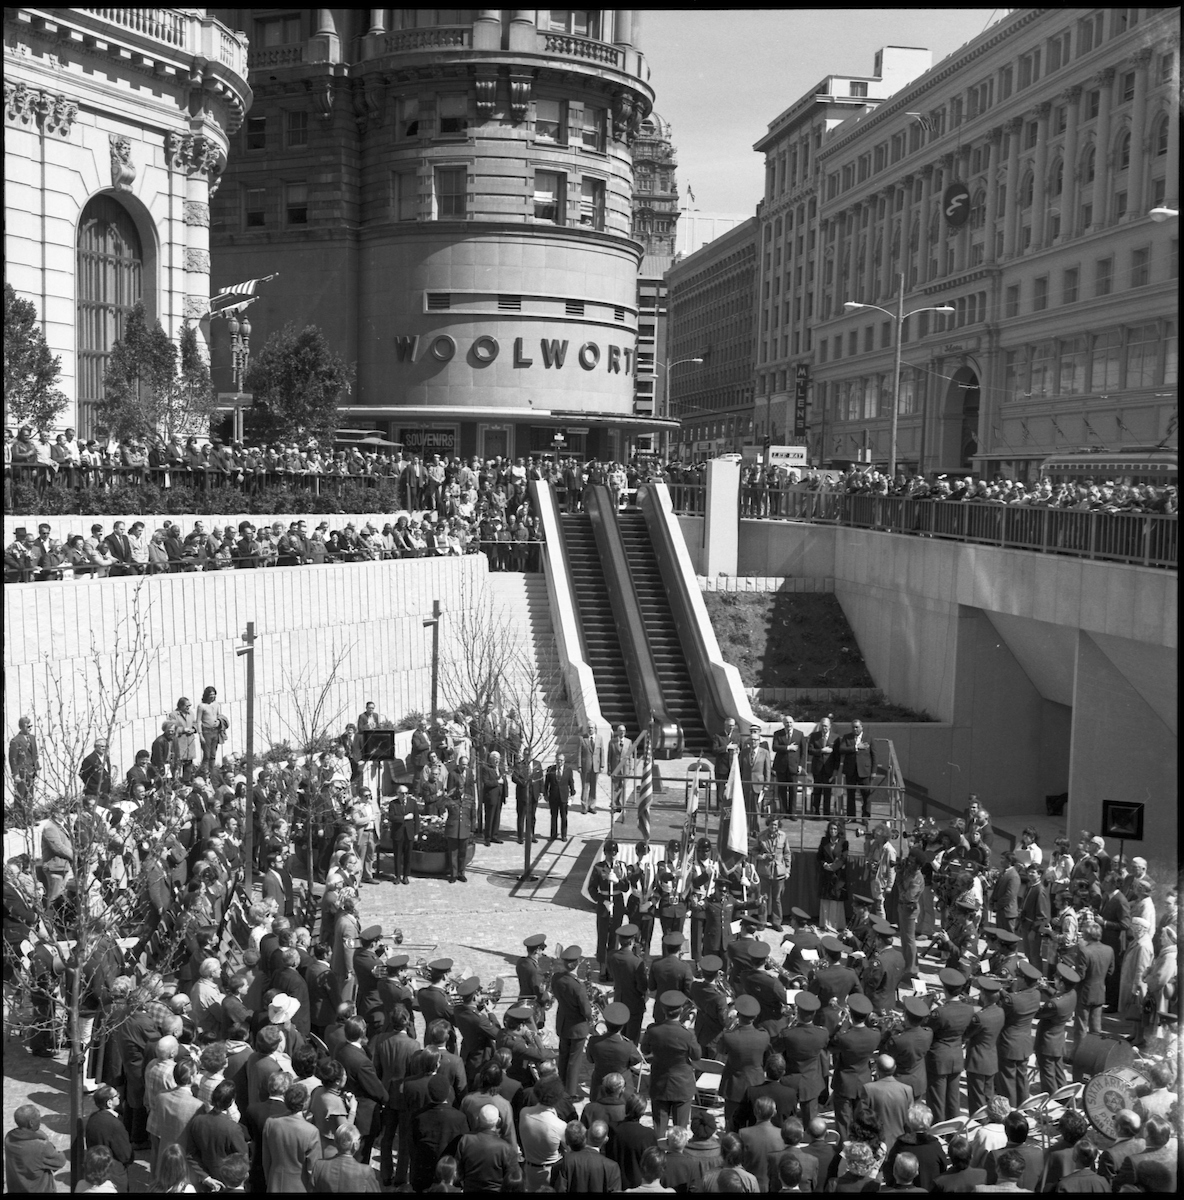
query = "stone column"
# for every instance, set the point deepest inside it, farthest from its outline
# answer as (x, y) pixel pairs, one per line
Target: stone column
(904, 264)
(963, 236)
(1139, 155)
(926, 214)
(1105, 81)
(992, 213)
(886, 246)
(851, 234)
(1040, 170)
(1072, 99)
(869, 249)
(623, 27)
(1172, 184)
(523, 32)
(487, 29)
(377, 22)
(1011, 203)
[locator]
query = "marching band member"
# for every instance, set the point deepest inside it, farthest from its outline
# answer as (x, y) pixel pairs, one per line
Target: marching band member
(832, 982)
(670, 973)
(674, 1052)
(478, 1028)
(982, 1044)
(804, 1046)
(884, 970)
(744, 1051)
(1019, 1005)
(532, 986)
(613, 1052)
(629, 976)
(765, 988)
(853, 1048)
(1054, 1015)
(573, 1014)
(711, 1003)
(910, 1045)
(945, 1062)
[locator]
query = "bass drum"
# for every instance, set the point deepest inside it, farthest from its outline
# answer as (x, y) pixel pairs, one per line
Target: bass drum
(1107, 1094)
(1098, 1052)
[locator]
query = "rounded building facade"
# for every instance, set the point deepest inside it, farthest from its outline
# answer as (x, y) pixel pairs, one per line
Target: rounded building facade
(447, 194)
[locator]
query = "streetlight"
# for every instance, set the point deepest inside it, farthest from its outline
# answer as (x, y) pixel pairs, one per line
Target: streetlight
(433, 623)
(240, 347)
(669, 366)
(899, 315)
(1163, 213)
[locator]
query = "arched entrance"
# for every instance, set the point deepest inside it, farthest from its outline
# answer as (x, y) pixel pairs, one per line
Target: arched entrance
(959, 421)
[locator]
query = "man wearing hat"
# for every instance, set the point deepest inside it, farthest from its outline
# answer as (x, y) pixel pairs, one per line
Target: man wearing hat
(756, 774)
(1096, 963)
(1053, 1016)
(670, 973)
(478, 1030)
(910, 1045)
(743, 1051)
(629, 976)
(884, 970)
(365, 968)
(673, 1053)
(529, 969)
(859, 934)
(982, 1045)
(573, 1014)
(945, 1061)
(711, 1004)
(803, 1044)
(613, 1052)
(833, 982)
(737, 951)
(765, 988)
(433, 1000)
(1019, 1006)
(853, 1049)
(527, 1055)
(395, 990)
(609, 888)
(1001, 953)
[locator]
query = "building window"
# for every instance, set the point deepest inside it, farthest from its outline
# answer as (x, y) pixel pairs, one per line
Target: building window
(869, 339)
(549, 202)
(1124, 152)
(1040, 293)
(1093, 102)
(1090, 166)
(1071, 378)
(1103, 276)
(1042, 369)
(1142, 356)
(1120, 205)
(1014, 369)
(1060, 119)
(885, 334)
(408, 122)
(110, 282)
(582, 22)
(1104, 361)
(1058, 51)
(453, 111)
(1166, 62)
(1011, 307)
(1128, 86)
(852, 342)
(296, 203)
(1006, 82)
(256, 133)
(592, 130)
(897, 147)
(858, 89)
(450, 193)
(592, 203)
(1090, 31)
(550, 121)
(276, 31)
(1031, 134)
(255, 208)
(1087, 216)
(1069, 282)
(296, 128)
(1029, 69)
(405, 195)
(1141, 266)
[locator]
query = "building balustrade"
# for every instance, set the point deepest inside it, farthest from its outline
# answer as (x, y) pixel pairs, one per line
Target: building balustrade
(577, 47)
(277, 56)
(183, 30)
(439, 37)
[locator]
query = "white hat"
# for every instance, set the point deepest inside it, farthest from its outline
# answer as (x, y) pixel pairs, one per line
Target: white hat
(282, 1008)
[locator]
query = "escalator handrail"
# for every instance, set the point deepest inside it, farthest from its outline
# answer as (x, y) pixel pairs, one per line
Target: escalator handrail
(640, 668)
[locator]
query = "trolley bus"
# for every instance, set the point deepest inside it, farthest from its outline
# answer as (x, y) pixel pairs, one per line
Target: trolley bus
(1155, 465)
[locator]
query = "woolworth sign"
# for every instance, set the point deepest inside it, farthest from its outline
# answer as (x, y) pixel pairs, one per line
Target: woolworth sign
(547, 353)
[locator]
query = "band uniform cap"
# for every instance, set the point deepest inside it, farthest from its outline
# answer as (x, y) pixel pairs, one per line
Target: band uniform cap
(1028, 971)
(440, 964)
(711, 962)
(759, 951)
(572, 953)
(748, 1006)
(951, 978)
(867, 901)
(371, 933)
(807, 940)
(617, 1013)
(396, 961)
(832, 943)
(969, 905)
(535, 940)
(801, 914)
(468, 987)
(672, 999)
(674, 938)
(521, 1013)
(1008, 938)
(754, 729)
(807, 1002)
(991, 931)
(883, 929)
(916, 1007)
(1067, 973)
(860, 1005)
(985, 983)
(628, 931)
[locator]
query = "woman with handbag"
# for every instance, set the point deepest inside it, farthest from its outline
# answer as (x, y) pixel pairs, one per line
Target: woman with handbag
(832, 880)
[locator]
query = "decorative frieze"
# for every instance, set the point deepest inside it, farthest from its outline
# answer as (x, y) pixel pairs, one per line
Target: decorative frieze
(192, 153)
(197, 261)
(52, 112)
(197, 213)
(196, 307)
(486, 88)
(123, 174)
(520, 92)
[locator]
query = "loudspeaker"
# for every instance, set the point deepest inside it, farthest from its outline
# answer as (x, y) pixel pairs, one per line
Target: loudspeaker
(1098, 1052)
(378, 744)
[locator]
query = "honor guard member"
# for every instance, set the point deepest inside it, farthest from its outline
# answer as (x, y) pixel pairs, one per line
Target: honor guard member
(743, 1050)
(711, 1004)
(433, 999)
(884, 970)
(766, 989)
(630, 979)
(573, 1016)
(670, 973)
(803, 1045)
(945, 1062)
(529, 969)
(1002, 955)
(395, 991)
(613, 1052)
(852, 1051)
(859, 934)
(737, 950)
(833, 981)
(673, 1053)
(609, 888)
(1055, 1013)
(478, 1031)
(910, 1045)
(982, 1045)
(1019, 1006)
(527, 1054)
(366, 969)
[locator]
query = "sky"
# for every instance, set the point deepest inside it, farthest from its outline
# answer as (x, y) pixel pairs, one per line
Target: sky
(720, 77)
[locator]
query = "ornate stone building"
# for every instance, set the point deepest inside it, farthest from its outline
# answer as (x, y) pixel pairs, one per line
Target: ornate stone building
(448, 194)
(116, 129)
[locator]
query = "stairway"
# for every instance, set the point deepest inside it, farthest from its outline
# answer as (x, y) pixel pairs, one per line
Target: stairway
(597, 622)
(669, 658)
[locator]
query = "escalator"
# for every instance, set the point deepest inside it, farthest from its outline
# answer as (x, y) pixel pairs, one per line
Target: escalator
(669, 658)
(598, 622)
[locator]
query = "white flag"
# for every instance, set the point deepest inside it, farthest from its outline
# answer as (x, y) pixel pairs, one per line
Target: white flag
(738, 821)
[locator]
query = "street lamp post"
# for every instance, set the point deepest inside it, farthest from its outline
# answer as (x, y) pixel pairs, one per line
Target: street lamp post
(899, 315)
(669, 366)
(240, 348)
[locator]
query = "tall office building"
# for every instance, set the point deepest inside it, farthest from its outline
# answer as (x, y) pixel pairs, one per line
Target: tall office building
(447, 194)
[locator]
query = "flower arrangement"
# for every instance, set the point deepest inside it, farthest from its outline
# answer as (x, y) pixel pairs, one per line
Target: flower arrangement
(431, 835)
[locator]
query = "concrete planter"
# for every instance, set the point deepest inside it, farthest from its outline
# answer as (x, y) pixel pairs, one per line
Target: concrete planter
(435, 862)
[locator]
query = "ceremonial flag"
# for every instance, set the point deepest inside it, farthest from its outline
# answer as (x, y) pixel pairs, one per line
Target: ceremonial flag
(737, 834)
(690, 194)
(236, 296)
(645, 795)
(923, 120)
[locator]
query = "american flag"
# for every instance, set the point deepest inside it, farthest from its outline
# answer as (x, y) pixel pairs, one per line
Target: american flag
(923, 120)
(645, 794)
(236, 296)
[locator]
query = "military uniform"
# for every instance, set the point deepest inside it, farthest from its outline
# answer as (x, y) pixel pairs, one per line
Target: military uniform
(853, 1050)
(859, 936)
(909, 1047)
(945, 1062)
(711, 1014)
(804, 1047)
(833, 982)
(669, 974)
(982, 1055)
(609, 1053)
(1015, 1043)
(743, 1051)
(531, 981)
(435, 1005)
(881, 978)
(1054, 1014)
(608, 887)
(769, 992)
(478, 1037)
(630, 980)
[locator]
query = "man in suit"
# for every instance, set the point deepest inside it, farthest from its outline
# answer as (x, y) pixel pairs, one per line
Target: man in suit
(620, 767)
(460, 819)
(761, 1141)
(857, 757)
(1019, 1006)
(434, 1128)
(119, 547)
(743, 1050)
(530, 785)
(609, 888)
(612, 1052)
(792, 1137)
(789, 766)
(255, 1117)
(1127, 1125)
(559, 787)
(1035, 914)
(945, 1061)
(773, 862)
(591, 768)
(342, 1173)
(492, 782)
(1054, 1015)
(290, 1144)
(756, 774)
(57, 854)
(421, 745)
(392, 1053)
(821, 749)
(1005, 895)
(784, 1095)
(477, 1030)
(584, 1169)
(670, 973)
(724, 745)
(852, 1051)
(95, 770)
(1096, 961)
(403, 821)
(288, 980)
(1115, 916)
(629, 975)
(363, 1083)
(674, 1052)
(981, 1045)
(803, 1045)
(573, 1014)
(910, 1046)
(889, 1099)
